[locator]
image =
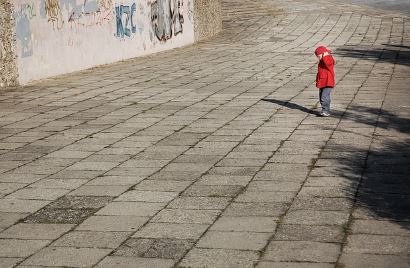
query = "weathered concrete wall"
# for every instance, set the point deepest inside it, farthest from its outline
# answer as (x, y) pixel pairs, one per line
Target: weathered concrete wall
(208, 18)
(53, 37)
(8, 70)
(61, 36)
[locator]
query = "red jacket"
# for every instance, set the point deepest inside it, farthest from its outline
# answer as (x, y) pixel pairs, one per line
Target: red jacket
(325, 74)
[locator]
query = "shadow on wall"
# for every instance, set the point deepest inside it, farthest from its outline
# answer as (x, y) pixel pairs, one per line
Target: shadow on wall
(391, 53)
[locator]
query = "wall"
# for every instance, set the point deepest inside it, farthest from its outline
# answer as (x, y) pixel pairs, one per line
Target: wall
(62, 36)
(8, 69)
(44, 38)
(208, 18)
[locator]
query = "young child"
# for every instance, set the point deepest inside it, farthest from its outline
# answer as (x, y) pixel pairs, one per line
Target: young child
(325, 78)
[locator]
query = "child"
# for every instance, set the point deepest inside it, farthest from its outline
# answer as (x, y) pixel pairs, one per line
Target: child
(325, 78)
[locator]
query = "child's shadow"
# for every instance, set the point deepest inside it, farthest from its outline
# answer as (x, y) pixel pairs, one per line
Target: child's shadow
(292, 105)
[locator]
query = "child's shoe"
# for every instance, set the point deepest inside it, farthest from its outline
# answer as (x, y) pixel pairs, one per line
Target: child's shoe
(325, 114)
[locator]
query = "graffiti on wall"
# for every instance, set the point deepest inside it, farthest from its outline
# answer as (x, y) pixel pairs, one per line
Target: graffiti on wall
(77, 13)
(53, 11)
(23, 16)
(166, 18)
(125, 20)
(90, 13)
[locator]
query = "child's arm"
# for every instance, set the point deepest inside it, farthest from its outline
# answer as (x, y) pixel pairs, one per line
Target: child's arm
(328, 62)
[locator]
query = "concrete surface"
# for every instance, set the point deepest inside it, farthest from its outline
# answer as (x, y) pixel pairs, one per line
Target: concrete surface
(213, 155)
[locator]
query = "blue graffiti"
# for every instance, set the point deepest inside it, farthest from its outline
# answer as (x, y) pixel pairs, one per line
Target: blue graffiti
(127, 27)
(23, 33)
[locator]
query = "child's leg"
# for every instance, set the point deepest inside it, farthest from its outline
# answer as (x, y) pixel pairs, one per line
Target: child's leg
(324, 94)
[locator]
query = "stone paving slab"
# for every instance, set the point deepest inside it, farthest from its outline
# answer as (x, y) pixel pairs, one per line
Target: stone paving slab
(213, 155)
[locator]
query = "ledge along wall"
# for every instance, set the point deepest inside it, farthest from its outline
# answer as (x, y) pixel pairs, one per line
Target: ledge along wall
(53, 37)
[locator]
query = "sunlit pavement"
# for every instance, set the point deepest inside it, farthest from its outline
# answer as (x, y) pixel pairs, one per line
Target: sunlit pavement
(213, 155)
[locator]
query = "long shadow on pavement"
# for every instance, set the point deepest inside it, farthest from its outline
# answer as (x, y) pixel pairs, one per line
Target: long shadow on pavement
(291, 105)
(385, 190)
(384, 193)
(387, 54)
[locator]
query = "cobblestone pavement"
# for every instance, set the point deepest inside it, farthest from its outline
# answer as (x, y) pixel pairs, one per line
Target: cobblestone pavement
(212, 155)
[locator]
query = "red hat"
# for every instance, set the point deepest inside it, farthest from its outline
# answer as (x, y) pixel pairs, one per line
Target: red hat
(320, 50)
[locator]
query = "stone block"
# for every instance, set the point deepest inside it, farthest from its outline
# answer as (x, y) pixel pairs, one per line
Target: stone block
(66, 256)
(36, 231)
(234, 240)
(16, 248)
(112, 223)
(302, 251)
(186, 216)
(172, 230)
(219, 258)
(245, 224)
(90, 239)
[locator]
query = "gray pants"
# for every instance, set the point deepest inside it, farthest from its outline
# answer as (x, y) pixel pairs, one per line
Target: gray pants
(324, 96)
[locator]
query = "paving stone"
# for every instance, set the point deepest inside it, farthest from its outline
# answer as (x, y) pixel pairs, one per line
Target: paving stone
(320, 203)
(264, 197)
(374, 260)
(112, 223)
(224, 180)
(166, 186)
(331, 182)
(199, 202)
(36, 231)
(38, 193)
(302, 251)
(59, 183)
(245, 224)
(164, 248)
(100, 190)
(21, 206)
(147, 196)
(268, 264)
(89, 239)
(20, 178)
(314, 217)
(7, 219)
(273, 186)
(364, 243)
(9, 187)
(98, 166)
(310, 233)
(131, 208)
(186, 216)
(116, 180)
(256, 209)
(77, 257)
(380, 227)
(213, 190)
(9, 262)
(234, 240)
(126, 262)
(218, 258)
(268, 175)
(13, 248)
(233, 171)
(49, 215)
(176, 175)
(76, 174)
(81, 202)
(241, 162)
(328, 192)
(171, 230)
